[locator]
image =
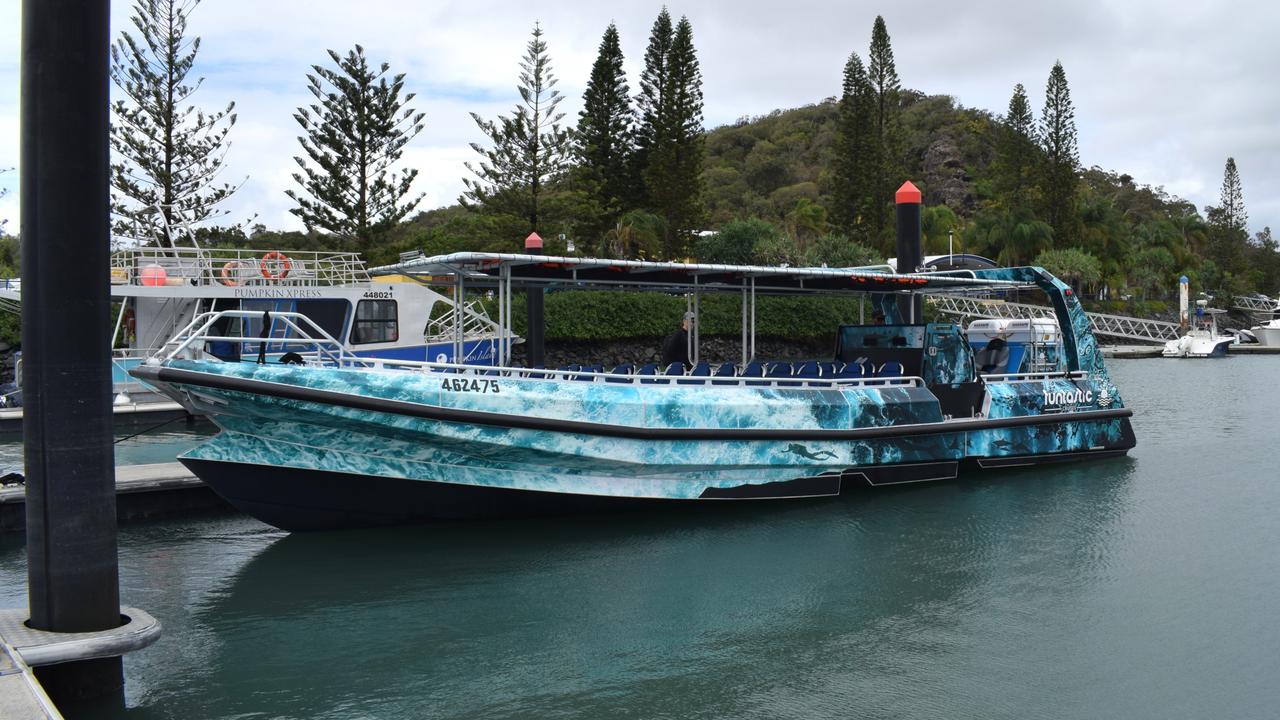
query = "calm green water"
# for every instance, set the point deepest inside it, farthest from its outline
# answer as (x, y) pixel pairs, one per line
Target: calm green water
(1138, 588)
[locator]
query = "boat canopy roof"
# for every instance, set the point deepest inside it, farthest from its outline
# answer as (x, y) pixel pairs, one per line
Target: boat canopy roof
(524, 269)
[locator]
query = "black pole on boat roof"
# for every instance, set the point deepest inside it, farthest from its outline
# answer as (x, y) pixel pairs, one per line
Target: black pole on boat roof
(910, 252)
(73, 576)
(534, 334)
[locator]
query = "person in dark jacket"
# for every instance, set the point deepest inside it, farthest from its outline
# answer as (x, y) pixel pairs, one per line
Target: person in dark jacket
(676, 347)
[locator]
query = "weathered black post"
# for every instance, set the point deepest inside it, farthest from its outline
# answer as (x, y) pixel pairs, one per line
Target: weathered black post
(910, 252)
(534, 333)
(66, 335)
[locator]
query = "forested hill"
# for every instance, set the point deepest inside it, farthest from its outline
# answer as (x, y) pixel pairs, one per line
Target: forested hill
(768, 188)
(764, 167)
(1130, 238)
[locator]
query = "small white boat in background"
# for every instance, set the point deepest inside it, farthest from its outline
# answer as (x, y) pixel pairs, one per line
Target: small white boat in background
(1268, 333)
(1265, 311)
(1203, 339)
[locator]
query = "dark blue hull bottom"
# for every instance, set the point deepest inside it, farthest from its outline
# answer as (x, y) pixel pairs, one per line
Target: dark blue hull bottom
(299, 500)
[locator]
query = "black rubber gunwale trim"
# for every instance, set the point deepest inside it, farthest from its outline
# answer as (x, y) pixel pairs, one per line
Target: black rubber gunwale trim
(428, 412)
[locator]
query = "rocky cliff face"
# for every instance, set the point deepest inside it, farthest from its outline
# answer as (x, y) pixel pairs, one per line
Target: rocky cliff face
(946, 181)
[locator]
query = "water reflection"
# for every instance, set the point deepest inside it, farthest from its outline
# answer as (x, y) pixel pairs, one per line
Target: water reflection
(672, 612)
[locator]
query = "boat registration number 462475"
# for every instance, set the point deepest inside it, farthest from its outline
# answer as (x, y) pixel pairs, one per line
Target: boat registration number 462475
(469, 385)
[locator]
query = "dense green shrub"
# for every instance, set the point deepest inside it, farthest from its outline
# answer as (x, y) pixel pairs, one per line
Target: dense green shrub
(612, 315)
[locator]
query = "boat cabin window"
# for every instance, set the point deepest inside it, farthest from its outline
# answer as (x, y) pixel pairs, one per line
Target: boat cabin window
(879, 344)
(330, 315)
(376, 322)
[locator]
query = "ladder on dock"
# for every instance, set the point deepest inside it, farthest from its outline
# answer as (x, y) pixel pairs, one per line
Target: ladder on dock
(1119, 326)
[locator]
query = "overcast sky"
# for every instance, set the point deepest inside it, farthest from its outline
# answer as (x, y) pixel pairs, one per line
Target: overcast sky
(1164, 91)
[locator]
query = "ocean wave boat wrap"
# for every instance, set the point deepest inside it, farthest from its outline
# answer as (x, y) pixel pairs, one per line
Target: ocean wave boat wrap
(338, 442)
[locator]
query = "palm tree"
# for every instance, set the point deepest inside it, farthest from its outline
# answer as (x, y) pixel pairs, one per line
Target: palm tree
(637, 234)
(1104, 235)
(1014, 237)
(1193, 231)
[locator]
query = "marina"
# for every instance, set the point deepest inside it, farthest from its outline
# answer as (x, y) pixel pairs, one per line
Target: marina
(737, 440)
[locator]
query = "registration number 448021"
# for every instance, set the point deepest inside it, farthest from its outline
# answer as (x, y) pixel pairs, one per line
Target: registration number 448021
(469, 385)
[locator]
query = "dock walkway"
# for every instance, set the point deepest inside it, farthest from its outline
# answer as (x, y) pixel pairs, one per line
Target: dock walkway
(141, 491)
(1128, 352)
(21, 697)
(122, 414)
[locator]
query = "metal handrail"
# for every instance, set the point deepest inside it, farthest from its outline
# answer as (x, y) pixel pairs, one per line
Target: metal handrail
(475, 323)
(198, 331)
(483, 371)
(233, 267)
(1256, 305)
(1033, 376)
(329, 351)
(1122, 326)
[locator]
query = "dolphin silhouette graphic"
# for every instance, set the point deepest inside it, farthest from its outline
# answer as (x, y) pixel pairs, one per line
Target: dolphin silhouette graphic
(804, 452)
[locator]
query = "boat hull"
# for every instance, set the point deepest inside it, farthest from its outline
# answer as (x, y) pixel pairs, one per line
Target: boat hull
(1268, 335)
(303, 499)
(298, 453)
(1189, 347)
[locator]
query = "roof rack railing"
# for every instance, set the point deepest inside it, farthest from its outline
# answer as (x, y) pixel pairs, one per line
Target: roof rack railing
(234, 267)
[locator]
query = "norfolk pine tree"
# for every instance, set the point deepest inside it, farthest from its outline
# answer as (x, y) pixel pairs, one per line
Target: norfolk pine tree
(673, 176)
(1234, 215)
(529, 148)
(854, 151)
(167, 156)
(1058, 177)
(354, 134)
(1228, 223)
(604, 144)
(883, 172)
(651, 99)
(1017, 151)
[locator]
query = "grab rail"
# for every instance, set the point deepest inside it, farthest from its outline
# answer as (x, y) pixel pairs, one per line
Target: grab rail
(481, 371)
(1031, 376)
(233, 267)
(326, 350)
(199, 331)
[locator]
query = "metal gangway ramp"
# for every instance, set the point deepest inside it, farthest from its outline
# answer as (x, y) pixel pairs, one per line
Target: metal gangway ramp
(1118, 326)
(1257, 306)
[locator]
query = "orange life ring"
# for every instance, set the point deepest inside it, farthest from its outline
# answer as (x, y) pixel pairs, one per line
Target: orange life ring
(283, 265)
(227, 273)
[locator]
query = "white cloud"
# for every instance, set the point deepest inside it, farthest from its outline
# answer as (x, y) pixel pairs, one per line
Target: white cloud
(1164, 93)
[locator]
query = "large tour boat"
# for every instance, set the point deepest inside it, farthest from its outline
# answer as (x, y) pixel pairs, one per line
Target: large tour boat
(328, 439)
